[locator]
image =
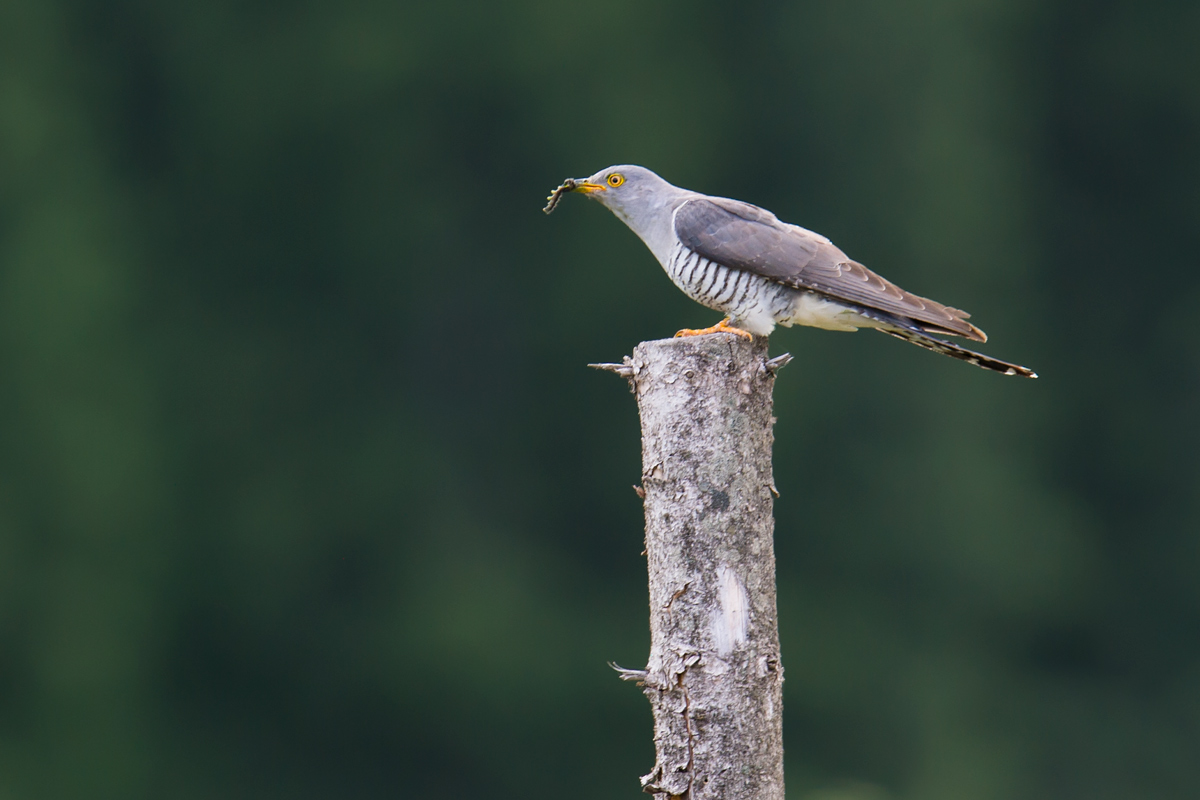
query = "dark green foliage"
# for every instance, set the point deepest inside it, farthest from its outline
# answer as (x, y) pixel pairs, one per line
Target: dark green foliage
(306, 492)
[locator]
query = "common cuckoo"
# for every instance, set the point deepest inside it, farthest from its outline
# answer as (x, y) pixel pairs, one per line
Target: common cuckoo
(741, 260)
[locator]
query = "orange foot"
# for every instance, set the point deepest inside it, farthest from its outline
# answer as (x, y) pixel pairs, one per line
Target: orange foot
(721, 327)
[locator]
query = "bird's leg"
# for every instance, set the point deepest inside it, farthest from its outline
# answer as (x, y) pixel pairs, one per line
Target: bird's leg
(721, 327)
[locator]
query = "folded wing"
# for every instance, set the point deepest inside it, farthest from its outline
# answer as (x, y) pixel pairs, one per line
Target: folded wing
(745, 237)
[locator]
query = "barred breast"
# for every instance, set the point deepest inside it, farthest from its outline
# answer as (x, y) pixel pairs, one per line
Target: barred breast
(752, 302)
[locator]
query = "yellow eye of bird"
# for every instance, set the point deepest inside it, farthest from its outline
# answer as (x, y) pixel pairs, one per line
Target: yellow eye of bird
(616, 179)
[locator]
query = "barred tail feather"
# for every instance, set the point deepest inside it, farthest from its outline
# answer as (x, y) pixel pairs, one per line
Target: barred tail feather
(922, 339)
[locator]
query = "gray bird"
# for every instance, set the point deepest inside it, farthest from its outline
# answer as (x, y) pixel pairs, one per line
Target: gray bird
(741, 260)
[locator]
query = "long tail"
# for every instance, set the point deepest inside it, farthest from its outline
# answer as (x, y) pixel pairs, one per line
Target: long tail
(896, 327)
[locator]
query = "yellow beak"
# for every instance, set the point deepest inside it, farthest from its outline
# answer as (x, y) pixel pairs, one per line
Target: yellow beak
(587, 187)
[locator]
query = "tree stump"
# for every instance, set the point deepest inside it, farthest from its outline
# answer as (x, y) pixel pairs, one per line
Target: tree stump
(714, 677)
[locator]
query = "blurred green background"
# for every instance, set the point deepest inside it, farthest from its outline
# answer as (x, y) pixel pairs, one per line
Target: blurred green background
(305, 491)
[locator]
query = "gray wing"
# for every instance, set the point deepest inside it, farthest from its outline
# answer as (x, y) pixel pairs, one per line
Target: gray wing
(745, 237)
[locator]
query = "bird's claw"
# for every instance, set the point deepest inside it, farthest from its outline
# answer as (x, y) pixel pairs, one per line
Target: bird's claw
(721, 327)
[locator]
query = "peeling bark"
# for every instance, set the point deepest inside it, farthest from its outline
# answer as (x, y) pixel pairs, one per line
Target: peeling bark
(714, 678)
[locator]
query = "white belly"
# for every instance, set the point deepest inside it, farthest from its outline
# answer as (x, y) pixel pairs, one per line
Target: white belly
(817, 312)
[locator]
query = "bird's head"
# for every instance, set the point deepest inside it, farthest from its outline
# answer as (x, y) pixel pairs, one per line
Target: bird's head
(629, 191)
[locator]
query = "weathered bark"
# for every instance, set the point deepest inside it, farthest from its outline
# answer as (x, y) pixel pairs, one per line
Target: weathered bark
(714, 678)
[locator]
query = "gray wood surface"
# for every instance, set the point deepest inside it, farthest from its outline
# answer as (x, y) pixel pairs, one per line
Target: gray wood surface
(714, 677)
